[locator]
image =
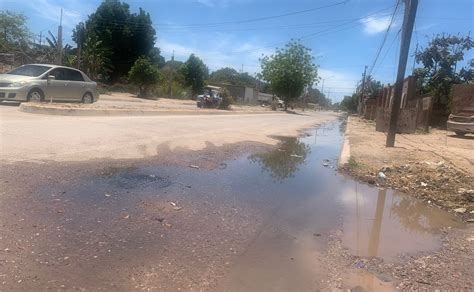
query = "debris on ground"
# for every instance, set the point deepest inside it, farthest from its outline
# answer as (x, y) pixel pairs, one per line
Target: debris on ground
(296, 156)
(381, 176)
(194, 166)
(460, 210)
(440, 182)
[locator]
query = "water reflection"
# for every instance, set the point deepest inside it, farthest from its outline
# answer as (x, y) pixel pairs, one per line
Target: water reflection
(388, 223)
(284, 161)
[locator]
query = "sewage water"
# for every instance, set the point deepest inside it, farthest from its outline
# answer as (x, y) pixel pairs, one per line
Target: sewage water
(261, 222)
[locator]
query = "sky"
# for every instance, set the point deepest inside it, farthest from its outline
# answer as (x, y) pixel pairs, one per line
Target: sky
(344, 35)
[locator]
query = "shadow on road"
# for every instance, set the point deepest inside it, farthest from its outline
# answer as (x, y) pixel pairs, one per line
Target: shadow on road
(10, 103)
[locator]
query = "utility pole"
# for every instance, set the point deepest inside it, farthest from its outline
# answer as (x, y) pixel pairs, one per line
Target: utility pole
(362, 92)
(41, 36)
(170, 84)
(407, 30)
(60, 40)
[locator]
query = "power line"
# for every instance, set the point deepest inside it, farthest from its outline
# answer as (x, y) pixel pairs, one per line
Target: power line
(384, 38)
(252, 19)
(386, 53)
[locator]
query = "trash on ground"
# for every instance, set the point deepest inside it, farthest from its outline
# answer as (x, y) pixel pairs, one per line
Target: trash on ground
(460, 210)
(194, 166)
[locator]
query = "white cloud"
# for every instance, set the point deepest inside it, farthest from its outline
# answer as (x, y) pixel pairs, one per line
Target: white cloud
(375, 24)
(50, 10)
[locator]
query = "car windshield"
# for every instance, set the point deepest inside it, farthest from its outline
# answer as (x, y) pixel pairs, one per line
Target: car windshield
(29, 70)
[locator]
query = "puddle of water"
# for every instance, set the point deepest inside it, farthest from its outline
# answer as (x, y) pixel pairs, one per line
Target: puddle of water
(386, 223)
(274, 211)
(360, 281)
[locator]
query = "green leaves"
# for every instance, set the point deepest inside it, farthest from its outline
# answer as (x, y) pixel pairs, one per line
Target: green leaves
(125, 35)
(144, 74)
(195, 72)
(290, 70)
(440, 61)
(13, 31)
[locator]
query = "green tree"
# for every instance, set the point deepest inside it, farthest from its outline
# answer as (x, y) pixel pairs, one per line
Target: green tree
(350, 103)
(79, 37)
(144, 74)
(289, 71)
(440, 61)
(156, 58)
(14, 33)
(173, 77)
(52, 51)
(195, 72)
(96, 57)
(372, 87)
(125, 35)
(230, 76)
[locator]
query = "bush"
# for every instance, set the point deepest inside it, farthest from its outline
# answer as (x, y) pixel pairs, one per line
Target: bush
(144, 74)
(226, 101)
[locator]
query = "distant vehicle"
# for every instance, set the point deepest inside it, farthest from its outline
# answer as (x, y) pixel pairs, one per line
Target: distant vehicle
(461, 119)
(39, 82)
(281, 103)
(461, 124)
(211, 97)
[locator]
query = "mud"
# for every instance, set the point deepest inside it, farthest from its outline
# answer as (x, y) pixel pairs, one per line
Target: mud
(243, 218)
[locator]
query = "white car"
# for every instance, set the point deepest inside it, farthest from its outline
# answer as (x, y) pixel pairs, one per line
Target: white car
(38, 82)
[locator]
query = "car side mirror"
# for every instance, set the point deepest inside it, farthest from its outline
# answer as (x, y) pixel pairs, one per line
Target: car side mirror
(51, 77)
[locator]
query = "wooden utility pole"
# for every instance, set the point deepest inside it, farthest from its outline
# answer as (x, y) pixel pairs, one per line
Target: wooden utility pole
(407, 30)
(363, 91)
(40, 37)
(60, 40)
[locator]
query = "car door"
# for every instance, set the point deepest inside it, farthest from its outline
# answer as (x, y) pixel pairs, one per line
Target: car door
(76, 85)
(55, 88)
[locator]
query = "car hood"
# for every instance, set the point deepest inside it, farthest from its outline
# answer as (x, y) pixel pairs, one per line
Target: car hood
(14, 78)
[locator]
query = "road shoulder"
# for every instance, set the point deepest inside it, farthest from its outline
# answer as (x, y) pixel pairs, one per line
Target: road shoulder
(423, 165)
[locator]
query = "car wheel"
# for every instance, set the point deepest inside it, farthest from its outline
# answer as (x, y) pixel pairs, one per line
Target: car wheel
(87, 98)
(460, 134)
(35, 95)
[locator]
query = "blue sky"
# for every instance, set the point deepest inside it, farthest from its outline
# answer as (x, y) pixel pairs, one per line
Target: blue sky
(344, 37)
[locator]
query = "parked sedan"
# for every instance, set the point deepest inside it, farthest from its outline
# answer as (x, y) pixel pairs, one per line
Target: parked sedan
(38, 82)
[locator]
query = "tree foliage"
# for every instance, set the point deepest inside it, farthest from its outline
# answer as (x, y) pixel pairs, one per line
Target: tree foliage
(230, 76)
(144, 74)
(283, 162)
(371, 87)
(195, 73)
(14, 33)
(125, 35)
(440, 65)
(289, 71)
(96, 57)
(349, 103)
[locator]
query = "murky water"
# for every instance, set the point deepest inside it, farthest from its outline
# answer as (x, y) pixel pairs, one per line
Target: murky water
(258, 223)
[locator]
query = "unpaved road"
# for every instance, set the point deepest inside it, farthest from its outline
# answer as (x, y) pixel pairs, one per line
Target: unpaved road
(31, 137)
(157, 204)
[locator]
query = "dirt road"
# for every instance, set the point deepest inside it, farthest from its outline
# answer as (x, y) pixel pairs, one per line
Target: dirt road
(157, 204)
(30, 137)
